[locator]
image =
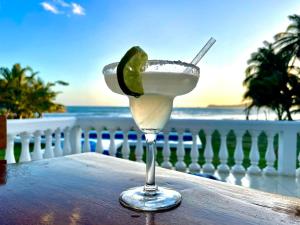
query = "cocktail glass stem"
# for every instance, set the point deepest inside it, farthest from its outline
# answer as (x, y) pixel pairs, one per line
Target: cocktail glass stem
(150, 187)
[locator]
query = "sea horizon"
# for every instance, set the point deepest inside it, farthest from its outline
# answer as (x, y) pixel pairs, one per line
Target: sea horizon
(208, 106)
(217, 112)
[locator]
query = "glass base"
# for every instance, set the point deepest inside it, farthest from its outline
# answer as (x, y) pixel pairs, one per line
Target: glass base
(137, 199)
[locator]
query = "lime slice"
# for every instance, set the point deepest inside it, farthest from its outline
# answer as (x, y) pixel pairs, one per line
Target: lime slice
(129, 71)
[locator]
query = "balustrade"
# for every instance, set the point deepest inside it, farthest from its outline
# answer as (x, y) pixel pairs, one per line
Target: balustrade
(270, 155)
(99, 146)
(112, 146)
(67, 145)
(25, 154)
(298, 170)
(194, 167)
(208, 167)
(9, 153)
(238, 153)
(48, 149)
(49, 132)
(37, 151)
(86, 143)
(125, 146)
(254, 154)
(223, 153)
(57, 149)
(180, 152)
(139, 150)
(166, 152)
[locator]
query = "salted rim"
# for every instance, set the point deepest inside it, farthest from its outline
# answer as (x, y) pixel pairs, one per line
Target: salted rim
(190, 68)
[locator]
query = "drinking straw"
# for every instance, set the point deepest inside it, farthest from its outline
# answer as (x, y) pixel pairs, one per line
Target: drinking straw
(203, 51)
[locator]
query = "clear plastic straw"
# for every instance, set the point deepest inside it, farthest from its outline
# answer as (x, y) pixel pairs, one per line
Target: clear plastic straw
(203, 51)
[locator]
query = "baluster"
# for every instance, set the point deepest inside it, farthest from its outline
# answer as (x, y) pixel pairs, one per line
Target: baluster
(99, 146)
(208, 167)
(112, 145)
(25, 154)
(287, 152)
(194, 166)
(139, 150)
(180, 151)
(254, 154)
(37, 153)
(48, 149)
(75, 139)
(155, 152)
(223, 153)
(9, 153)
(270, 155)
(238, 153)
(57, 147)
(86, 143)
(125, 146)
(67, 143)
(166, 152)
(298, 170)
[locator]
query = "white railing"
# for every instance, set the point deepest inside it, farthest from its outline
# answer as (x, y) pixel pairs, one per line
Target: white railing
(34, 129)
(49, 131)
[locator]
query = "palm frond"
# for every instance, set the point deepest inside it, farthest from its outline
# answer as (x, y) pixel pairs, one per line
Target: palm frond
(61, 82)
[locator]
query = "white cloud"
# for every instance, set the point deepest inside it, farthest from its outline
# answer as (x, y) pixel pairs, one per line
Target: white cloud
(62, 3)
(63, 7)
(77, 9)
(49, 7)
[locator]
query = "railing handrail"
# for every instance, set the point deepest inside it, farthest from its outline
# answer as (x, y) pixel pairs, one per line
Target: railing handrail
(16, 126)
(194, 123)
(43, 123)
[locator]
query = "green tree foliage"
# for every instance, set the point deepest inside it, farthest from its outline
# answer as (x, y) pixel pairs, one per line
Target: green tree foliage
(272, 77)
(289, 41)
(271, 82)
(24, 95)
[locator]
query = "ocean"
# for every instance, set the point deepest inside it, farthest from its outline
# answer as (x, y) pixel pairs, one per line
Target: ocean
(187, 113)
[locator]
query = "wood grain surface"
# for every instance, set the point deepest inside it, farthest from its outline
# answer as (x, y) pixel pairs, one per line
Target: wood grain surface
(84, 189)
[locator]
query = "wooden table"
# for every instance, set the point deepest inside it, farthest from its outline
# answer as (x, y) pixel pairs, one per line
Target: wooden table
(84, 189)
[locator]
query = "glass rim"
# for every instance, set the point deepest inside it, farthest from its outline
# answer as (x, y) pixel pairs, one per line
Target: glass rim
(191, 68)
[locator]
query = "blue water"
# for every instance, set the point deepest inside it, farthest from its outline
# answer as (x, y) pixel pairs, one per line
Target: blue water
(196, 113)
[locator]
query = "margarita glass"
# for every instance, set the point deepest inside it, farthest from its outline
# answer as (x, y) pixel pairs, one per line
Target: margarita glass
(162, 81)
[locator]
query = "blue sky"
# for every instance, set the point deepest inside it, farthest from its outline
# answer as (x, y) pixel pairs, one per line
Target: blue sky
(73, 40)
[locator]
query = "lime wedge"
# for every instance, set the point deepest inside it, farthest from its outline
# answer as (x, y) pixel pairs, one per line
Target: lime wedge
(129, 71)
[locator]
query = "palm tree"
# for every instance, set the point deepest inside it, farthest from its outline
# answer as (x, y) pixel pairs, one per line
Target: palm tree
(289, 41)
(26, 96)
(14, 84)
(43, 95)
(271, 82)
